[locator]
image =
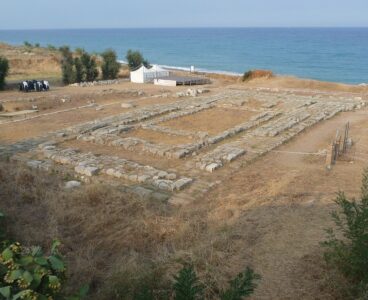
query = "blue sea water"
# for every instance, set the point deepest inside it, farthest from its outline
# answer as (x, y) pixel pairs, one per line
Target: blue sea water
(331, 54)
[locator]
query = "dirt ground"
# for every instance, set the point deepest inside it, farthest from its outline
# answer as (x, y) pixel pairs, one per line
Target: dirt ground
(270, 214)
(213, 121)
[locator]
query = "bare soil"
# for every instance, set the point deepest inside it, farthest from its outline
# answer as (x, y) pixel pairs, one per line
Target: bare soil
(213, 121)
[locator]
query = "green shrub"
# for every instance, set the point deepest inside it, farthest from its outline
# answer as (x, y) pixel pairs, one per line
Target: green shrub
(51, 47)
(187, 285)
(67, 65)
(110, 66)
(90, 67)
(79, 70)
(242, 286)
(135, 60)
(27, 44)
(26, 273)
(79, 51)
(349, 253)
(37, 45)
(4, 70)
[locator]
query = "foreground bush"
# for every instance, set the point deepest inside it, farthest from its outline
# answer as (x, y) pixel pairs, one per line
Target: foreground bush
(26, 273)
(110, 66)
(4, 69)
(349, 253)
(188, 287)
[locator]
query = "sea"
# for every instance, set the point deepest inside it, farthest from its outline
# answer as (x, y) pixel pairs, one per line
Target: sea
(329, 54)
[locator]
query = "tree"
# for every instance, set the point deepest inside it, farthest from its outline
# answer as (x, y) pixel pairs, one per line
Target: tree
(349, 253)
(110, 66)
(67, 63)
(135, 60)
(90, 66)
(4, 69)
(79, 70)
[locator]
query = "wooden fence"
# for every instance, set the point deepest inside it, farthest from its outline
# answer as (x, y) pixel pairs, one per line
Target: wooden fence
(339, 146)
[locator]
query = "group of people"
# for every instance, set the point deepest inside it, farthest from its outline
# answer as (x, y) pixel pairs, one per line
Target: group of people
(34, 85)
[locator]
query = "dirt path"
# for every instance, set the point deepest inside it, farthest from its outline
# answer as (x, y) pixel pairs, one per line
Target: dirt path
(276, 209)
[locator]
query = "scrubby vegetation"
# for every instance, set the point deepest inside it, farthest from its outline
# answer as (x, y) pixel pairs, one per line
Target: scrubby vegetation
(27, 44)
(253, 74)
(67, 65)
(112, 240)
(79, 68)
(26, 273)
(187, 285)
(4, 70)
(110, 66)
(89, 64)
(347, 245)
(135, 59)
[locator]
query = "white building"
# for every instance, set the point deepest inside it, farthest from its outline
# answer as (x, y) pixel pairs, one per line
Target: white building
(144, 75)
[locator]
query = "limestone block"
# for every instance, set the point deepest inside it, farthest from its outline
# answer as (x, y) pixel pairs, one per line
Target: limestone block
(182, 183)
(72, 184)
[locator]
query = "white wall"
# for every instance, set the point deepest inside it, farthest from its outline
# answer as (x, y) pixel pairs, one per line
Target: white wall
(165, 82)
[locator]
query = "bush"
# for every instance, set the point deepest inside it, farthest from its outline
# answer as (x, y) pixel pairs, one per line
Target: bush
(110, 66)
(187, 286)
(51, 47)
(79, 51)
(67, 65)
(242, 286)
(26, 273)
(27, 44)
(90, 67)
(253, 74)
(349, 254)
(79, 70)
(135, 60)
(4, 69)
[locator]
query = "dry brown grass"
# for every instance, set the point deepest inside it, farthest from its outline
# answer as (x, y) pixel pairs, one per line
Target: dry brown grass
(111, 240)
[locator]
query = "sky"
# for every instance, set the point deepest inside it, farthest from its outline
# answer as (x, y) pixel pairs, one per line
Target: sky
(46, 14)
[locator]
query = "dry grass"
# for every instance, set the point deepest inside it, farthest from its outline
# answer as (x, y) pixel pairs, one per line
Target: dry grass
(111, 240)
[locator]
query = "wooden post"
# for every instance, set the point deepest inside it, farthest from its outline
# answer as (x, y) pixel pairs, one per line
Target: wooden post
(330, 158)
(346, 137)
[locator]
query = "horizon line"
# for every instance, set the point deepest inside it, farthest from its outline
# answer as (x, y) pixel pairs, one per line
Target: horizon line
(192, 27)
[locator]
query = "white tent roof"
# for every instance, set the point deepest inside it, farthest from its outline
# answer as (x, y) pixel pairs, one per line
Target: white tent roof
(144, 74)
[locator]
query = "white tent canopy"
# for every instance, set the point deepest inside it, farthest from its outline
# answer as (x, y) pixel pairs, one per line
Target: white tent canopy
(143, 74)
